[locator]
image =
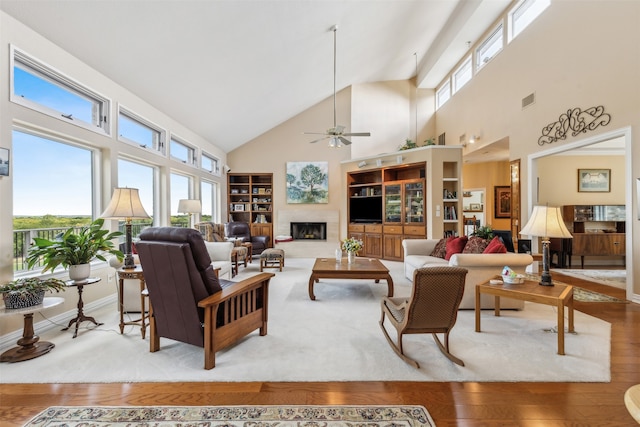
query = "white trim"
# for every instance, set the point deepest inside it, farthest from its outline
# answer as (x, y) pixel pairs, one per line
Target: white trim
(624, 132)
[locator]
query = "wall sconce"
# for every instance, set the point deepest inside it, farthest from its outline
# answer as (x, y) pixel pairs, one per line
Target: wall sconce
(362, 164)
(379, 162)
(473, 139)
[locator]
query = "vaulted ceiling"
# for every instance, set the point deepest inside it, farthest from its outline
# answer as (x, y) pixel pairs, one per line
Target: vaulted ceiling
(232, 69)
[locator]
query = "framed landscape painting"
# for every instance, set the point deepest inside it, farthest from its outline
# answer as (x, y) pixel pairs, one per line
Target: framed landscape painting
(594, 180)
(502, 201)
(307, 182)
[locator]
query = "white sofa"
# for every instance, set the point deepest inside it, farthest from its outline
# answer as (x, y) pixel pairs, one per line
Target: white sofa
(481, 267)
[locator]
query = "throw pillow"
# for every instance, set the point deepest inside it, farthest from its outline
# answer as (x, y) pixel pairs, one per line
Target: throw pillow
(495, 247)
(475, 245)
(455, 246)
(440, 250)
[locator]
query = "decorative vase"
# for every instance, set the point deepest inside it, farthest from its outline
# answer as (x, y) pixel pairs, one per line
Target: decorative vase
(338, 255)
(79, 272)
(351, 257)
(13, 300)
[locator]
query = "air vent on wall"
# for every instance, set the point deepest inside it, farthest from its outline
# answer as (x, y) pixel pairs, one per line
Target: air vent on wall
(528, 100)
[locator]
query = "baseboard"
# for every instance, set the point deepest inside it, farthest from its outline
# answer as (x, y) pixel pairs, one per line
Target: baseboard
(9, 340)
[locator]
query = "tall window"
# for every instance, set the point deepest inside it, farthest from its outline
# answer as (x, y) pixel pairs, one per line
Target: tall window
(462, 75)
(41, 88)
(208, 194)
(443, 94)
(523, 14)
(133, 129)
(182, 152)
(210, 164)
(490, 47)
(180, 189)
(53, 189)
(137, 175)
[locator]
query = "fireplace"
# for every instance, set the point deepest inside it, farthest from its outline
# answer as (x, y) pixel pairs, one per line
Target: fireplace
(309, 230)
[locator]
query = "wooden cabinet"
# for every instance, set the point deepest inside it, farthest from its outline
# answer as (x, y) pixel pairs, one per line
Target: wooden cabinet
(250, 199)
(598, 230)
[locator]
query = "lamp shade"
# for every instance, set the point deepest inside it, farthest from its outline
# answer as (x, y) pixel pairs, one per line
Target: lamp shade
(546, 221)
(125, 203)
(189, 206)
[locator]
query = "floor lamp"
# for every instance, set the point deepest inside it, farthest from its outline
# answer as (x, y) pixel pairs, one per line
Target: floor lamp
(125, 204)
(189, 206)
(546, 222)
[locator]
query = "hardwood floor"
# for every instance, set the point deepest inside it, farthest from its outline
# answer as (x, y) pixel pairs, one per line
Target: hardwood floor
(450, 404)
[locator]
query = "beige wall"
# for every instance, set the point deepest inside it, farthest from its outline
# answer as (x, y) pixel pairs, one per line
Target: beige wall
(577, 54)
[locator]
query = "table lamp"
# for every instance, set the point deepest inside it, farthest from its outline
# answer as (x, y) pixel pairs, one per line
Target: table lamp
(189, 206)
(546, 222)
(125, 204)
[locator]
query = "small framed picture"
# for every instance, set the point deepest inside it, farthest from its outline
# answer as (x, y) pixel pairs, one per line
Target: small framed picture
(475, 206)
(502, 201)
(524, 246)
(594, 180)
(239, 207)
(4, 162)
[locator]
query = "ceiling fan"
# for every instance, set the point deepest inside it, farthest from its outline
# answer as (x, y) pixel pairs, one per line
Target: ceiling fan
(336, 134)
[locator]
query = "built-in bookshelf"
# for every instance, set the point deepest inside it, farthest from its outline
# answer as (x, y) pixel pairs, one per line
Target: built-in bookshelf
(250, 199)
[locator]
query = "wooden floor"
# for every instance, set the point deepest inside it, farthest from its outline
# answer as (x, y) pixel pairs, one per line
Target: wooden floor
(450, 404)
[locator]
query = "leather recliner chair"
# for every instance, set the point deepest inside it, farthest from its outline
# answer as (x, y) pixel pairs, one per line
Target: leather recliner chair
(242, 230)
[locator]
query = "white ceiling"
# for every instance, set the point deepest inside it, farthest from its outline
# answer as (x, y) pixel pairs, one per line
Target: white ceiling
(232, 69)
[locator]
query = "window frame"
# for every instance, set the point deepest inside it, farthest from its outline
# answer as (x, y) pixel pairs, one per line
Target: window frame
(489, 41)
(466, 64)
(192, 151)
(446, 84)
(527, 6)
(214, 160)
(158, 147)
(101, 112)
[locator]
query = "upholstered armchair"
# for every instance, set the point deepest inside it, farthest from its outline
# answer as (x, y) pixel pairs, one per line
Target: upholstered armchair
(188, 302)
(242, 230)
(220, 254)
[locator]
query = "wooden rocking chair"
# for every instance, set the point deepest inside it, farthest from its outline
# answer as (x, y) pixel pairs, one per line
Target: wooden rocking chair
(432, 308)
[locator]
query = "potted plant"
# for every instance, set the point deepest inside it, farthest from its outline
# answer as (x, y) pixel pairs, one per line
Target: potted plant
(75, 250)
(484, 232)
(352, 246)
(27, 292)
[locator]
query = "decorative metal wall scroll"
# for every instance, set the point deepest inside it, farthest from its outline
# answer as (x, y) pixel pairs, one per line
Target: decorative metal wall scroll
(575, 120)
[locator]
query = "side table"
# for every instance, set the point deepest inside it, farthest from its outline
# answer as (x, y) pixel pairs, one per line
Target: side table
(81, 317)
(136, 274)
(29, 346)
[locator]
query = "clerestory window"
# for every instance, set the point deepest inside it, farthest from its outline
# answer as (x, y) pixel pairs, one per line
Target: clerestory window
(182, 152)
(135, 130)
(443, 94)
(37, 86)
(523, 14)
(210, 164)
(462, 75)
(490, 47)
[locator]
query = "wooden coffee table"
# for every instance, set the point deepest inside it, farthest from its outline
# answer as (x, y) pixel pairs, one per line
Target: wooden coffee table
(559, 296)
(363, 268)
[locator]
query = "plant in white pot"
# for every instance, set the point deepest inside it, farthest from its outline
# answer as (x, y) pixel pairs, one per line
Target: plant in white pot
(27, 292)
(74, 250)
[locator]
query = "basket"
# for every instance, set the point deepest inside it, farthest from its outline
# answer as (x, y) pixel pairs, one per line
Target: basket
(14, 300)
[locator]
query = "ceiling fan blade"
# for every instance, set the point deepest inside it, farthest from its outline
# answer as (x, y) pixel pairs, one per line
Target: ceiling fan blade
(313, 133)
(357, 134)
(344, 141)
(318, 140)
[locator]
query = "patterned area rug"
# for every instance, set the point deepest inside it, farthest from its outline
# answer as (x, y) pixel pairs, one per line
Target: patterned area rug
(234, 416)
(584, 295)
(616, 278)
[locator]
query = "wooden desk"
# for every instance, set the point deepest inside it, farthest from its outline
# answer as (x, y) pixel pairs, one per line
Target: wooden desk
(81, 317)
(29, 346)
(559, 296)
(135, 274)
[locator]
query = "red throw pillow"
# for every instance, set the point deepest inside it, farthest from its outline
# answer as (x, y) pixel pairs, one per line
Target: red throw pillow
(495, 247)
(475, 245)
(133, 249)
(455, 245)
(440, 250)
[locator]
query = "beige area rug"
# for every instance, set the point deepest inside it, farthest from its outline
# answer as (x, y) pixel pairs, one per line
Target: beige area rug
(335, 338)
(616, 278)
(234, 416)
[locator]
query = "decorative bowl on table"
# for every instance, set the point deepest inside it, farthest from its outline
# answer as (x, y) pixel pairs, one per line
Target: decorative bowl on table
(512, 280)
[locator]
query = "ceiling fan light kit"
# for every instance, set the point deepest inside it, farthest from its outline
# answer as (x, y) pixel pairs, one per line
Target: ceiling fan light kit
(336, 134)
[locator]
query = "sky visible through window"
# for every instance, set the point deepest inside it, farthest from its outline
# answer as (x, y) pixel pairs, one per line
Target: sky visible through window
(50, 178)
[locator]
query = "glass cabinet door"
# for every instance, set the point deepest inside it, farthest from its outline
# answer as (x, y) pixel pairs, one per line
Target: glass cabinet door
(413, 202)
(393, 203)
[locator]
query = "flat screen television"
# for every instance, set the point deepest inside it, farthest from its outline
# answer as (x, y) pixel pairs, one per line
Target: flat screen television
(365, 209)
